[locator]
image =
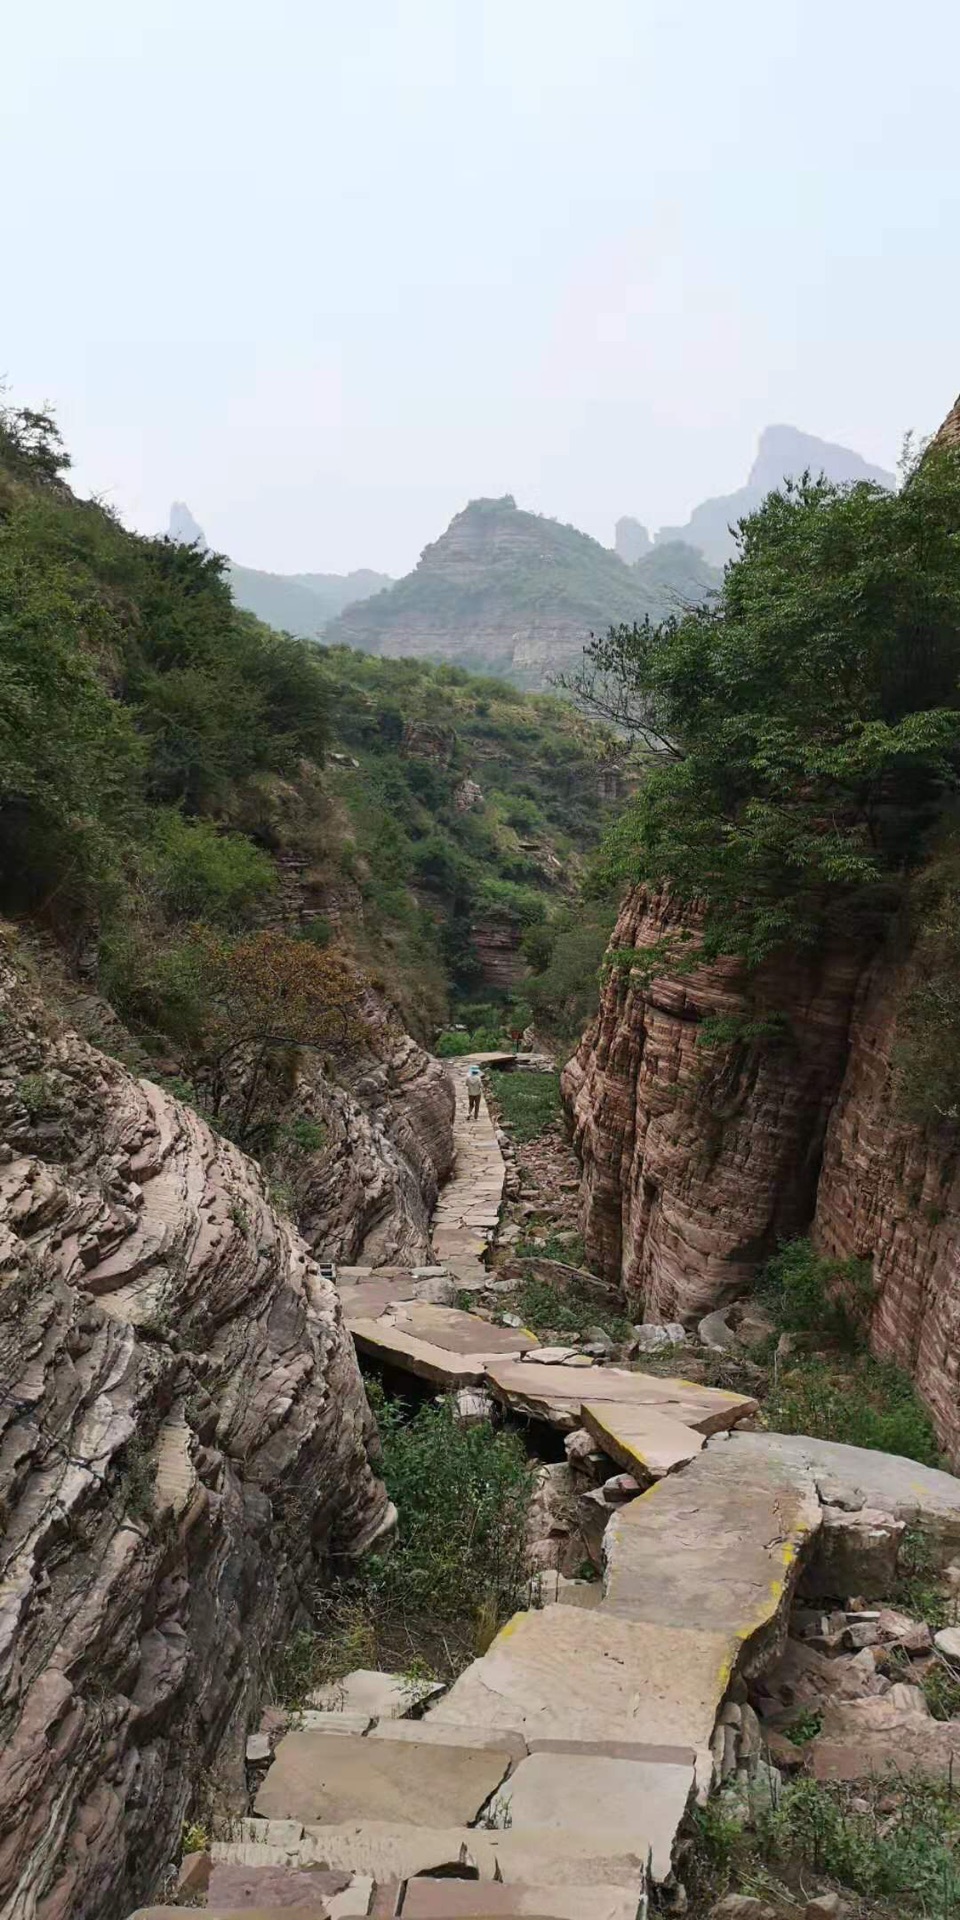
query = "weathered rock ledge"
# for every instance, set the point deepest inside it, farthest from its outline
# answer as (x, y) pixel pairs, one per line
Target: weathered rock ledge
(184, 1449)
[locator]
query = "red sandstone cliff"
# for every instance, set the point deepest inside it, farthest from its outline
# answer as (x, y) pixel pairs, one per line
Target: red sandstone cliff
(890, 1192)
(697, 1161)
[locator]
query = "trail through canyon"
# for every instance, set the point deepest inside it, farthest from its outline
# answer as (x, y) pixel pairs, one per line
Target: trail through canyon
(554, 1776)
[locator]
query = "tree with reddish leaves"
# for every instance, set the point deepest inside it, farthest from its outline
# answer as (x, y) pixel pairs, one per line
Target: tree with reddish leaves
(270, 995)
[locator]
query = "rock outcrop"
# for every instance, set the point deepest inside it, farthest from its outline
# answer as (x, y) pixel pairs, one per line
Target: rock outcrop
(371, 1191)
(185, 1452)
(889, 1192)
(697, 1160)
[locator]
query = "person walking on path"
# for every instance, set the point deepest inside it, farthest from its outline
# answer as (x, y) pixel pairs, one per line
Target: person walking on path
(474, 1090)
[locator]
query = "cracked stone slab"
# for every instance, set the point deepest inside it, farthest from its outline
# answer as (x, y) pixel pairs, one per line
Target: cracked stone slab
(445, 1367)
(323, 1777)
(645, 1798)
(578, 1857)
(643, 1440)
(557, 1394)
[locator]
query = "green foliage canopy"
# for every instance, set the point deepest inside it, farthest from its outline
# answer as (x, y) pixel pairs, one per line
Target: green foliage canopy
(805, 730)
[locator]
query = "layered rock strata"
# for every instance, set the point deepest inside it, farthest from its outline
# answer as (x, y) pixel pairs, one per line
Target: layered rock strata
(889, 1192)
(698, 1159)
(184, 1451)
(371, 1192)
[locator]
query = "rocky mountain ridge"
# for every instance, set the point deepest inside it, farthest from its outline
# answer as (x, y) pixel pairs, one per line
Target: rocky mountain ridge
(510, 592)
(300, 603)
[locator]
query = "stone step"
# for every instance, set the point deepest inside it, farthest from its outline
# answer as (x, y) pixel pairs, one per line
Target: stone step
(332, 1778)
(577, 1856)
(556, 1394)
(442, 1899)
(642, 1440)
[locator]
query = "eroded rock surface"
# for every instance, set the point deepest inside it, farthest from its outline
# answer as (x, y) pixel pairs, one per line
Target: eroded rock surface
(696, 1161)
(184, 1451)
(389, 1147)
(889, 1193)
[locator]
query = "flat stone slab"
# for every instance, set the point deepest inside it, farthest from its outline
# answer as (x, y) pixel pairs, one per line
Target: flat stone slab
(444, 1899)
(887, 1481)
(577, 1857)
(560, 1673)
(324, 1777)
(643, 1440)
(459, 1332)
(241, 1888)
(366, 1692)
(557, 1394)
(446, 1367)
(715, 1548)
(646, 1799)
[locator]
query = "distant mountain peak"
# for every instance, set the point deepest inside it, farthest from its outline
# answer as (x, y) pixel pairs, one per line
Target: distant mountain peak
(631, 540)
(783, 453)
(183, 527)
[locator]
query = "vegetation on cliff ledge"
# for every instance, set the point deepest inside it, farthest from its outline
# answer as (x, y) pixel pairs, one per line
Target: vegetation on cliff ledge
(804, 731)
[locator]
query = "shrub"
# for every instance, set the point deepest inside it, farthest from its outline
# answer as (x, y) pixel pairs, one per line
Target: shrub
(905, 1853)
(812, 1293)
(462, 1495)
(529, 1103)
(867, 1403)
(570, 1309)
(203, 874)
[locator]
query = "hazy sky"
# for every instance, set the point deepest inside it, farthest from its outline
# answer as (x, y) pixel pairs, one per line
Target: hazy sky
(326, 268)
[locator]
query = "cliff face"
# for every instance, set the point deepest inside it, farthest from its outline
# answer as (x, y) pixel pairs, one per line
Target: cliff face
(373, 1188)
(890, 1193)
(184, 1450)
(696, 1160)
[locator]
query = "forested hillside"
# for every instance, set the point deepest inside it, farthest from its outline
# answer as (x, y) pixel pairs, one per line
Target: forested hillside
(181, 786)
(514, 593)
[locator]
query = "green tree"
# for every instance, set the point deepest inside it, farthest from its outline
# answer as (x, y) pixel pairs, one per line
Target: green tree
(805, 731)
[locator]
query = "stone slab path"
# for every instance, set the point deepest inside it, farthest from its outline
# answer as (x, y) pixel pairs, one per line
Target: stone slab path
(468, 1208)
(553, 1778)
